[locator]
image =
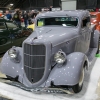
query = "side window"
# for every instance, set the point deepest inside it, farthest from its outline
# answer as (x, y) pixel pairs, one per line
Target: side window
(85, 21)
(11, 25)
(2, 26)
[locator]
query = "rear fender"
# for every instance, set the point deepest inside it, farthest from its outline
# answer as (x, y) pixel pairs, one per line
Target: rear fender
(69, 73)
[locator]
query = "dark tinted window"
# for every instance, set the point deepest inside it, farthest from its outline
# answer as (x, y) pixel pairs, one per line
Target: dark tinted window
(2, 26)
(62, 21)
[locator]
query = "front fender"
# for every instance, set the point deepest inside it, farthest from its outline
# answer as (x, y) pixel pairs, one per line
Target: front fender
(69, 73)
(10, 67)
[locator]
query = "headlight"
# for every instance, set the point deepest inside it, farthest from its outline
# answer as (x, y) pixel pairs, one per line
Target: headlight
(60, 57)
(12, 53)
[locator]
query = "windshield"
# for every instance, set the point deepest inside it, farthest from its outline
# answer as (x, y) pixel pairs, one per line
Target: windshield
(62, 21)
(93, 16)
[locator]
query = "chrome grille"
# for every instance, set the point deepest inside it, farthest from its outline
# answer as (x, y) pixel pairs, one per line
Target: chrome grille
(34, 62)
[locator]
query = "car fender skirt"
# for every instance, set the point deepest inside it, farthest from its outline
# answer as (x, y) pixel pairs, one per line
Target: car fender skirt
(69, 73)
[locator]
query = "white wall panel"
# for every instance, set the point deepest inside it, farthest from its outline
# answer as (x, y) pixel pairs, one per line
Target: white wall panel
(68, 4)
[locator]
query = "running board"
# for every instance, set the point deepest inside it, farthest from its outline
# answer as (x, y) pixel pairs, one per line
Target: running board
(91, 54)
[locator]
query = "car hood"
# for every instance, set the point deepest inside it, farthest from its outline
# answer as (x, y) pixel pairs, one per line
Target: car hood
(52, 34)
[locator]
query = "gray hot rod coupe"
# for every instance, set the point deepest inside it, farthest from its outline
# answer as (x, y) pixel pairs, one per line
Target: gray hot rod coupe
(56, 55)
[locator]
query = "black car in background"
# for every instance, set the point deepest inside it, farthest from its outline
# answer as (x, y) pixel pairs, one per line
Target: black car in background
(11, 34)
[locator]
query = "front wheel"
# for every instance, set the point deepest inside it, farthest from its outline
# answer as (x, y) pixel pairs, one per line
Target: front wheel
(78, 87)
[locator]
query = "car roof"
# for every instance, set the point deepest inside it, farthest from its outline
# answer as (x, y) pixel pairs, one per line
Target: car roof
(78, 13)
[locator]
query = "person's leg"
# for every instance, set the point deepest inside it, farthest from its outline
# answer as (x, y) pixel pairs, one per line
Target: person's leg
(19, 23)
(25, 22)
(16, 22)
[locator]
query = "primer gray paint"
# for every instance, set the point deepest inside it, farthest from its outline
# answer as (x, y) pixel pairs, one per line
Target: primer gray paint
(76, 42)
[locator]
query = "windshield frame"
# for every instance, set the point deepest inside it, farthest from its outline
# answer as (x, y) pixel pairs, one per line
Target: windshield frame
(56, 25)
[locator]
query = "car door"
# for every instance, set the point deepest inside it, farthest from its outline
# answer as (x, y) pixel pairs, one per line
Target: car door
(15, 33)
(85, 35)
(5, 40)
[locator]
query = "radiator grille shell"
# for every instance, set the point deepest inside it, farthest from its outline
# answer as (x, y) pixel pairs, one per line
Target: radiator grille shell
(34, 61)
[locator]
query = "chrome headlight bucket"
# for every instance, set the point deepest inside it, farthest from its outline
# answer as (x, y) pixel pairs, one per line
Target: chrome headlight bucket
(60, 57)
(13, 53)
